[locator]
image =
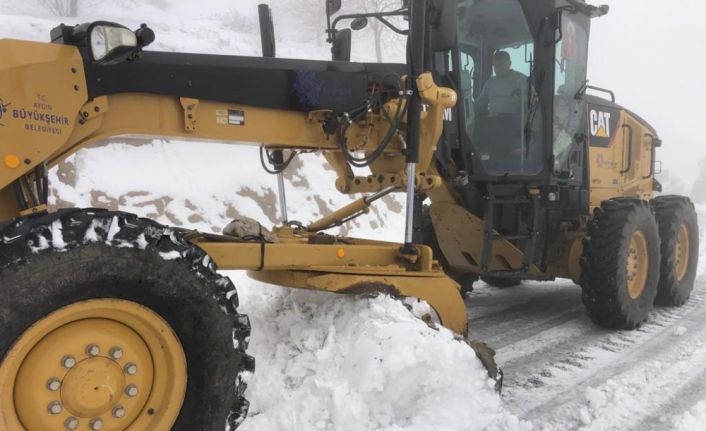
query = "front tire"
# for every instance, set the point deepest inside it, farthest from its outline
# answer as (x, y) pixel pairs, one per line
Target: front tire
(679, 231)
(68, 262)
(620, 264)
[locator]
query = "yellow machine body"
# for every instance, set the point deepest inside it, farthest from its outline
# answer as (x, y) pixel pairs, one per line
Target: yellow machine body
(48, 117)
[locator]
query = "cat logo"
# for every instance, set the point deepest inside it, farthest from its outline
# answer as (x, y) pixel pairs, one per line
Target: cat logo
(600, 124)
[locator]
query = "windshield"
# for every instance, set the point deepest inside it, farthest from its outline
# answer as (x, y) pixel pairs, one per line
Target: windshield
(503, 119)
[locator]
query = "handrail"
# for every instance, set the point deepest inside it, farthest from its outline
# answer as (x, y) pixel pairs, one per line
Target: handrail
(630, 133)
(603, 90)
(654, 153)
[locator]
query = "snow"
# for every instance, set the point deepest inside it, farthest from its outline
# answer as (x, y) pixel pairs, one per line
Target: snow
(692, 420)
(333, 362)
(679, 331)
(57, 236)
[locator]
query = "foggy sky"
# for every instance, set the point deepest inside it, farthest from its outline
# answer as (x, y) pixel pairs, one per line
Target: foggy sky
(651, 53)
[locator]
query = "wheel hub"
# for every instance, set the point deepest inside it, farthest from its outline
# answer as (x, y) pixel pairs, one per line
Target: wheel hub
(96, 365)
(681, 252)
(637, 265)
(93, 387)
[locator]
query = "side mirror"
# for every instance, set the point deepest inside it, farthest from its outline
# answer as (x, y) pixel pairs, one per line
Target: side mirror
(341, 49)
(332, 6)
(359, 23)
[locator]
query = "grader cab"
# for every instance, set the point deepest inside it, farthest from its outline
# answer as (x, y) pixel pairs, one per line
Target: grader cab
(527, 180)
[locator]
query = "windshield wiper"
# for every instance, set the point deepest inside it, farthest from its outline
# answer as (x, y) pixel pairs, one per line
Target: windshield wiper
(582, 90)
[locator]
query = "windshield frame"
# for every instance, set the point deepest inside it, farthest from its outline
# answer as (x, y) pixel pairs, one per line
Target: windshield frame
(538, 14)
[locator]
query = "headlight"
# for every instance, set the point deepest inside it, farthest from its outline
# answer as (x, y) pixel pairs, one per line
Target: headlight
(105, 40)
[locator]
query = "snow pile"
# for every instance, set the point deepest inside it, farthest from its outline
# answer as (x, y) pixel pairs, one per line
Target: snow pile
(331, 362)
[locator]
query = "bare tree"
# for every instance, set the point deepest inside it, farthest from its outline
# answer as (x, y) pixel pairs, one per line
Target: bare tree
(61, 7)
(309, 16)
(381, 34)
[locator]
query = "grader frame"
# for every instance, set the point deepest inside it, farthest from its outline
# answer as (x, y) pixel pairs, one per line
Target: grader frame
(294, 260)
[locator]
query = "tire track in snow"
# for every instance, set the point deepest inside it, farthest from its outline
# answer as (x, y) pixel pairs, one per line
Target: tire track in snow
(540, 393)
(678, 403)
(553, 355)
(523, 318)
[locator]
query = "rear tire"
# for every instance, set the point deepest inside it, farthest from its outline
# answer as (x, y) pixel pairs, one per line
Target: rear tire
(62, 259)
(619, 265)
(679, 231)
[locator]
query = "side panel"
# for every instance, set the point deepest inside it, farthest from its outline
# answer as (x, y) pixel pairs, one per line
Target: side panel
(42, 89)
(620, 155)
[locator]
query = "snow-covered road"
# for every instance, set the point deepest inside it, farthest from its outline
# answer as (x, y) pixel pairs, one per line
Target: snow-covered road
(563, 372)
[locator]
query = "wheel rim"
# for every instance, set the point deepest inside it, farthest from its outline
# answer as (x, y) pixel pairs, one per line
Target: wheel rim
(637, 265)
(108, 365)
(682, 252)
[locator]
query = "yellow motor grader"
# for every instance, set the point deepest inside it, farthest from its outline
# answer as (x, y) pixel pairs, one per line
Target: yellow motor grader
(110, 321)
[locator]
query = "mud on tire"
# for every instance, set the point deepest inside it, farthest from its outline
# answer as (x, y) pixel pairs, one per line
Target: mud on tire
(50, 261)
(604, 264)
(676, 216)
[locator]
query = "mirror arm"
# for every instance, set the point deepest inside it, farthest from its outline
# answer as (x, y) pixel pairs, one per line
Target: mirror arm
(392, 26)
(378, 15)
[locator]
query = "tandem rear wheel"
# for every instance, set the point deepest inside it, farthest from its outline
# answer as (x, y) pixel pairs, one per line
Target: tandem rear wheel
(638, 254)
(620, 264)
(679, 231)
(113, 322)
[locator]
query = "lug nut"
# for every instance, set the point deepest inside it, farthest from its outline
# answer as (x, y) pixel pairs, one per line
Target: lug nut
(119, 412)
(116, 353)
(71, 423)
(68, 361)
(96, 424)
(131, 391)
(55, 408)
(92, 350)
(131, 369)
(54, 384)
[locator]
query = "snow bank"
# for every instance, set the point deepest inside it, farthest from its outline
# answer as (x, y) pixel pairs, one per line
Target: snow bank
(331, 362)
